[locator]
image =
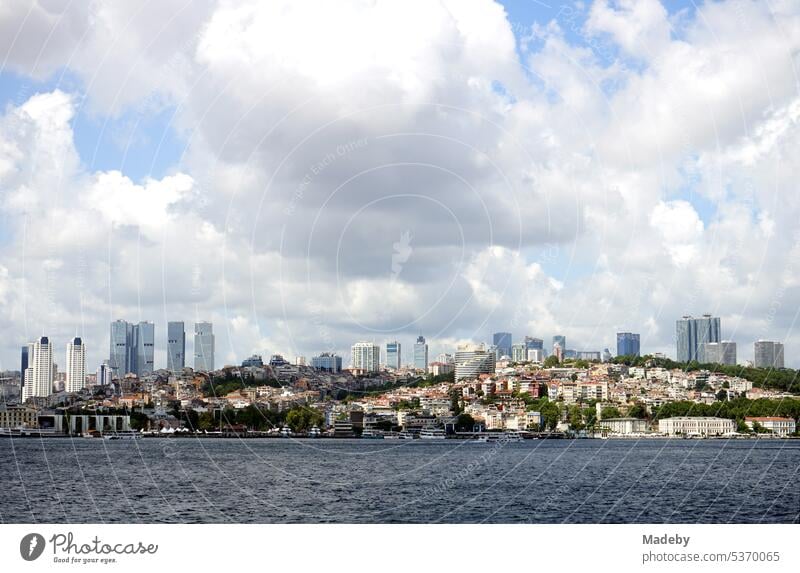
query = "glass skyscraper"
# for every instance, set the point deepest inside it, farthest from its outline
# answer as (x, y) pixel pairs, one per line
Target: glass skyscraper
(421, 354)
(691, 333)
(628, 344)
(132, 348)
(204, 347)
(502, 343)
(393, 355)
(176, 346)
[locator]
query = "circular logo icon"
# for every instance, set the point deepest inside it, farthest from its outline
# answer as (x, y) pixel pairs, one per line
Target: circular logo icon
(31, 546)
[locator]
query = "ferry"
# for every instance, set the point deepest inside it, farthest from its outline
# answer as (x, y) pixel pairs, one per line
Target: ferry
(371, 435)
(432, 434)
(126, 435)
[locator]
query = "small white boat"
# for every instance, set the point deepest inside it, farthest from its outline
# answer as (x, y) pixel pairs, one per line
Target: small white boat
(286, 432)
(512, 437)
(371, 435)
(127, 435)
(314, 432)
(404, 436)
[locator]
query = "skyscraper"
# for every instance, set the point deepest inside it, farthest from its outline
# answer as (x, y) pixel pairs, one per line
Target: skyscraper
(534, 343)
(23, 366)
(691, 333)
(502, 341)
(204, 346)
(176, 346)
(103, 374)
(473, 360)
(627, 344)
(328, 362)
(39, 374)
(144, 335)
(717, 353)
(366, 357)
(120, 354)
(76, 365)
(768, 354)
(421, 354)
(561, 340)
(519, 353)
(393, 355)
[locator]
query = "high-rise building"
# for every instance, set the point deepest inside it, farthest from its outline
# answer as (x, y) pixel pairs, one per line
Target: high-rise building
(768, 354)
(502, 341)
(536, 355)
(561, 340)
(473, 360)
(366, 357)
(445, 358)
(628, 344)
(103, 374)
(328, 362)
(144, 335)
(519, 353)
(39, 374)
(691, 333)
(121, 356)
(176, 346)
(717, 353)
(421, 354)
(23, 366)
(76, 365)
(393, 355)
(532, 343)
(204, 347)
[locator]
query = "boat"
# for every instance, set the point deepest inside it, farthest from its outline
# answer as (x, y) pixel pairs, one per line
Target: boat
(123, 435)
(512, 437)
(481, 439)
(286, 432)
(314, 432)
(371, 435)
(404, 436)
(432, 434)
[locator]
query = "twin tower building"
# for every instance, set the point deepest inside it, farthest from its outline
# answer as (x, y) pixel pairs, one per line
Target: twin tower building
(132, 347)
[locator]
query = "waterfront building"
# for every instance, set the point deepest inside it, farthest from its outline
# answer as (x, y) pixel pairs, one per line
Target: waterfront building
(471, 360)
(778, 426)
(394, 355)
(18, 417)
(502, 342)
(696, 426)
(628, 344)
(421, 354)
(76, 365)
(328, 362)
(204, 347)
(718, 353)
(623, 426)
(366, 357)
(39, 374)
(691, 333)
(176, 346)
(768, 354)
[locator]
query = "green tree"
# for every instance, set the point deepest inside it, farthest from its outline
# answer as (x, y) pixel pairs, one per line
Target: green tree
(551, 361)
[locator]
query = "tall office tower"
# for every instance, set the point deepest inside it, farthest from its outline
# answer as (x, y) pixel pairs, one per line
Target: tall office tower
(606, 355)
(76, 365)
(691, 333)
(473, 360)
(204, 346)
(366, 357)
(103, 374)
(558, 351)
(328, 362)
(627, 344)
(176, 346)
(421, 354)
(393, 355)
(502, 341)
(39, 374)
(561, 341)
(23, 366)
(519, 353)
(717, 353)
(534, 343)
(768, 354)
(144, 335)
(120, 355)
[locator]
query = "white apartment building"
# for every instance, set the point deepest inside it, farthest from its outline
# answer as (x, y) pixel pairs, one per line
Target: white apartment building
(696, 425)
(366, 357)
(39, 374)
(623, 426)
(474, 360)
(76, 365)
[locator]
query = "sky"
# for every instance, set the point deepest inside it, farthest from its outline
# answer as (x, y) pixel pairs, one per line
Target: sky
(307, 175)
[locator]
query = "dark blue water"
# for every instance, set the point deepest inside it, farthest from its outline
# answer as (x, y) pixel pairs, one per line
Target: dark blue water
(273, 480)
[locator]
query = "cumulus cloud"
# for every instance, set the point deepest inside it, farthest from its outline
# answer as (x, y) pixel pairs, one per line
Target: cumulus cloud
(610, 174)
